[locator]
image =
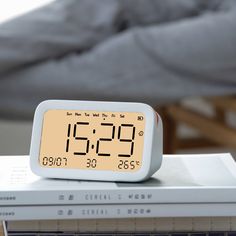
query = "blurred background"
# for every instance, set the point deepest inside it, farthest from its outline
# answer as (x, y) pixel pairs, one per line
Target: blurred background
(15, 135)
(178, 56)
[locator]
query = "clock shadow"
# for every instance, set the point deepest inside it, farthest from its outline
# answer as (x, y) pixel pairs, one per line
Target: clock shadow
(151, 182)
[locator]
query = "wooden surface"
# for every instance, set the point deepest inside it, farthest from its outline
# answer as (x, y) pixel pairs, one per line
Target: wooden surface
(209, 128)
(1, 229)
(225, 103)
(213, 130)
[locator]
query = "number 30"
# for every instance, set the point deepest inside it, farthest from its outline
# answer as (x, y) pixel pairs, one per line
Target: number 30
(91, 163)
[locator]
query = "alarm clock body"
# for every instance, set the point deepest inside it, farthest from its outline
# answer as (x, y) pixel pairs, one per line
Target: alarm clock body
(92, 140)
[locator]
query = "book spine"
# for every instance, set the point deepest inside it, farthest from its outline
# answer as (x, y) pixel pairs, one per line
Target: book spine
(116, 211)
(117, 196)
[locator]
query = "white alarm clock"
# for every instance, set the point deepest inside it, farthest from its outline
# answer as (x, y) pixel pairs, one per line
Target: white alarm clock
(92, 140)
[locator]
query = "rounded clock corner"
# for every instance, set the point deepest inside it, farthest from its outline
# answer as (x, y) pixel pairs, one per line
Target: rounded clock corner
(35, 168)
(44, 106)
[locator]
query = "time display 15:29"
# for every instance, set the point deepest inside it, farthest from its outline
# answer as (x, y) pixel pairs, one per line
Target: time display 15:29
(92, 140)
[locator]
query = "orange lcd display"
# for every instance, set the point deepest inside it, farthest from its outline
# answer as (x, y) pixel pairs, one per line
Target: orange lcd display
(92, 140)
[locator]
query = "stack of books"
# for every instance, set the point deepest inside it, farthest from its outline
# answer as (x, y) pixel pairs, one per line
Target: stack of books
(190, 193)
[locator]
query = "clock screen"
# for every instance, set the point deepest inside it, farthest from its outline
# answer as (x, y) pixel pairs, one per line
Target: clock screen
(92, 140)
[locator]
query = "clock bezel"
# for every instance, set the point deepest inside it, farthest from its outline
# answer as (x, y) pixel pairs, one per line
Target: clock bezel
(106, 175)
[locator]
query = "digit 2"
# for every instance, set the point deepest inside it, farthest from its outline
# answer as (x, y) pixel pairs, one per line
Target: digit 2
(105, 139)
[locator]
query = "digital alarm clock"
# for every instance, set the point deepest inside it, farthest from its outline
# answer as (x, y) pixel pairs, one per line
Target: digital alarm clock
(92, 140)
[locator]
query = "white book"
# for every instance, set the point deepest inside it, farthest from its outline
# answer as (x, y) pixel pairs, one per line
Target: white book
(50, 212)
(208, 178)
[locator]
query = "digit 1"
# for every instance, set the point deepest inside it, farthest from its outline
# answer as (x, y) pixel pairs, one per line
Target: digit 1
(68, 138)
(81, 138)
(127, 140)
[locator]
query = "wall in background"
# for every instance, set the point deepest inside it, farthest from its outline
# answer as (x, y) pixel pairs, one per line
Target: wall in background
(15, 137)
(13, 8)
